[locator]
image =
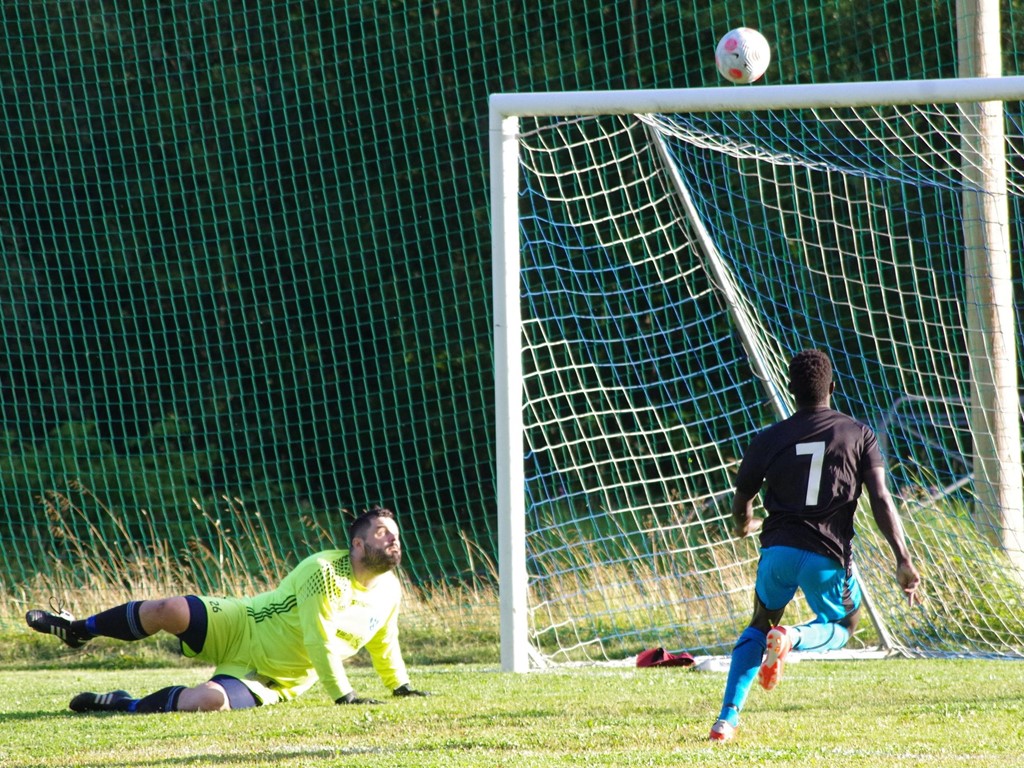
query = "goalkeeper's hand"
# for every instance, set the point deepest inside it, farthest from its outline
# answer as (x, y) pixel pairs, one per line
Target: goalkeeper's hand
(351, 698)
(405, 690)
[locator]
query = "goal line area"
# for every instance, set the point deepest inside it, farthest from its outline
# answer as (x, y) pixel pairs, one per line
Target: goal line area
(658, 257)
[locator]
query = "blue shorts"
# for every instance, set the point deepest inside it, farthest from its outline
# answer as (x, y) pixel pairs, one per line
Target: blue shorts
(831, 592)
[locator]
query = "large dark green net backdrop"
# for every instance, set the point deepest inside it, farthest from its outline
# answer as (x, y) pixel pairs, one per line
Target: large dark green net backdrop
(246, 273)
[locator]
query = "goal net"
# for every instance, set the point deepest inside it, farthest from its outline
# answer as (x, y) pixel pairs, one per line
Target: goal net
(659, 256)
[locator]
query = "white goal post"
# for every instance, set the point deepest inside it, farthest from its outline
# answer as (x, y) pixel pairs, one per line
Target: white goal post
(657, 255)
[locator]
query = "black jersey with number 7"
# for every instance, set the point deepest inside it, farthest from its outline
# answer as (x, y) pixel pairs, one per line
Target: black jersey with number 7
(810, 468)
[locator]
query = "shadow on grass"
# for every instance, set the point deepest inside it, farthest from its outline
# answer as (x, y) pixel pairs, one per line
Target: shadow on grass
(47, 714)
(249, 758)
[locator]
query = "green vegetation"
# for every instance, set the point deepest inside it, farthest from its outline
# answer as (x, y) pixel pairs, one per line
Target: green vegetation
(240, 557)
(934, 714)
(247, 248)
(854, 713)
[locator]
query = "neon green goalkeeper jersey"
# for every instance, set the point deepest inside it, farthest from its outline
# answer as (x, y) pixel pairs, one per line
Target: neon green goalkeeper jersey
(319, 616)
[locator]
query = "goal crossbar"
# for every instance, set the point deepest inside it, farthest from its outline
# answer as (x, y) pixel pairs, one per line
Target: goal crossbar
(752, 98)
(526, 595)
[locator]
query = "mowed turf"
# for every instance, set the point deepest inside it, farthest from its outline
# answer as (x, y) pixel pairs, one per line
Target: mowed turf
(894, 712)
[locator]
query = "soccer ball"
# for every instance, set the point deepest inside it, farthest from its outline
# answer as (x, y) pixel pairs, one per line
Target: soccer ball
(742, 55)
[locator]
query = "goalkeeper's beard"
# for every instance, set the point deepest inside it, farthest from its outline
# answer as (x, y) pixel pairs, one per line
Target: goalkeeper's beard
(380, 560)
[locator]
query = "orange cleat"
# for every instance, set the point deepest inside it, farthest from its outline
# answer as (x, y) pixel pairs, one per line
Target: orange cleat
(722, 731)
(778, 647)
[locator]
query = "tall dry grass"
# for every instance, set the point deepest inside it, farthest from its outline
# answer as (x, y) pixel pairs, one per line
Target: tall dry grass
(97, 561)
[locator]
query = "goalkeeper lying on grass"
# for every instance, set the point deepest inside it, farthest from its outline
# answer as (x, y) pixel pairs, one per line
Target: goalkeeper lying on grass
(274, 646)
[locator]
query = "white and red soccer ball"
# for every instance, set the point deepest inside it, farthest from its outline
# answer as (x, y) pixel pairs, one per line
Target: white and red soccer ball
(742, 55)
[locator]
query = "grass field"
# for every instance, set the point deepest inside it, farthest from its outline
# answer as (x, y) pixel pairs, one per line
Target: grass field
(825, 713)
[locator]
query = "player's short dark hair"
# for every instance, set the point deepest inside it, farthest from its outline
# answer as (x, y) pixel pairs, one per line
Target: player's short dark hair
(810, 376)
(359, 527)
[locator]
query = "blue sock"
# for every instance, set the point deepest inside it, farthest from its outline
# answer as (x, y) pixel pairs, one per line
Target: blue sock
(820, 636)
(746, 659)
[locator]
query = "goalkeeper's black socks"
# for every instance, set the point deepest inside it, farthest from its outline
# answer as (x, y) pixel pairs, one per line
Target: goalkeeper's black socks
(164, 700)
(121, 623)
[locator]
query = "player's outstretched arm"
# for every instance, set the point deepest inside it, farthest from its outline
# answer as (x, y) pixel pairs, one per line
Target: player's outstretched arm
(888, 521)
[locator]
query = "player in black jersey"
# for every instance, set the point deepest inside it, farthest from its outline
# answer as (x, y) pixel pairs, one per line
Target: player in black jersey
(812, 467)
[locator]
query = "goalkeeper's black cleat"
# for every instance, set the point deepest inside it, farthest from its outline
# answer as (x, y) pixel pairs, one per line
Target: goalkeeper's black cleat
(115, 701)
(58, 624)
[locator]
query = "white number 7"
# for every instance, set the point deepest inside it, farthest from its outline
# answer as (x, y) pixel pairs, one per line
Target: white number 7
(817, 453)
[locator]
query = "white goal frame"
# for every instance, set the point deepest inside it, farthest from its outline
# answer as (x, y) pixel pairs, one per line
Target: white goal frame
(997, 456)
